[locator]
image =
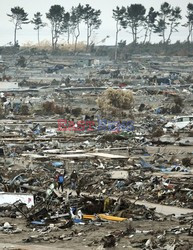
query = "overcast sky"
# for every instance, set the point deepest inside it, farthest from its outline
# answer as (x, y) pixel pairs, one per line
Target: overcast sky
(107, 28)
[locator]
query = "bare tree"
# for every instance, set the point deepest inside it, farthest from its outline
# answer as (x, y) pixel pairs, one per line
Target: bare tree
(118, 15)
(55, 15)
(174, 22)
(162, 23)
(18, 17)
(189, 23)
(92, 20)
(76, 19)
(134, 17)
(169, 17)
(149, 23)
(66, 25)
(37, 21)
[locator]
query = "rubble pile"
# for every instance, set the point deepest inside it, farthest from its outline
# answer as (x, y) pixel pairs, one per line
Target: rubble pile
(116, 172)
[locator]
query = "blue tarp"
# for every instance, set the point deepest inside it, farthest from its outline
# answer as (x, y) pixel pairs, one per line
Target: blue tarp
(38, 222)
(145, 164)
(57, 164)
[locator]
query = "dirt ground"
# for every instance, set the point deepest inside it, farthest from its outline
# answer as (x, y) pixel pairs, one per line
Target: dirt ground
(89, 236)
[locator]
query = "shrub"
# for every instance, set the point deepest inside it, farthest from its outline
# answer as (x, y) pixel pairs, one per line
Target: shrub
(76, 111)
(52, 108)
(59, 110)
(114, 101)
(24, 110)
(48, 107)
(178, 101)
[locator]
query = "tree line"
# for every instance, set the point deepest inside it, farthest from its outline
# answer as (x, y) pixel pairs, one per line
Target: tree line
(134, 18)
(61, 22)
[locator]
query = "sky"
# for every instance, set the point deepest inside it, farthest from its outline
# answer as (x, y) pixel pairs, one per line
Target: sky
(28, 34)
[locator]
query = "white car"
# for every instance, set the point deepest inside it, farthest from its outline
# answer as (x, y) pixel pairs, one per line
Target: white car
(180, 122)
